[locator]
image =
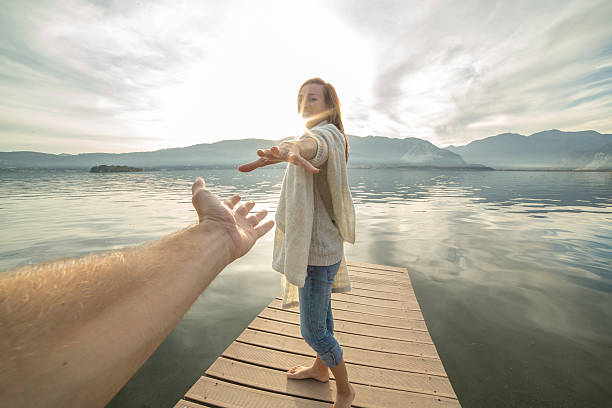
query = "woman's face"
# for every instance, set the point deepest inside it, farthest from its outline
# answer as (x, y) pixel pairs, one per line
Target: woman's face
(312, 103)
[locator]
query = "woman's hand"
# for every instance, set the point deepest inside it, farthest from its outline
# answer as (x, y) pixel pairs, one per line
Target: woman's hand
(290, 152)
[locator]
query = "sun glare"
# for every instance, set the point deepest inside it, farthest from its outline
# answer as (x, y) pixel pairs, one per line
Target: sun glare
(246, 85)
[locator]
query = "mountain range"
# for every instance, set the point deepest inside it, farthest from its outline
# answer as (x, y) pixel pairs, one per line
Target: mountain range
(551, 149)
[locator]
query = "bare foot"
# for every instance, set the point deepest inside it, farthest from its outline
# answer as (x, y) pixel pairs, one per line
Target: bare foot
(344, 400)
(301, 372)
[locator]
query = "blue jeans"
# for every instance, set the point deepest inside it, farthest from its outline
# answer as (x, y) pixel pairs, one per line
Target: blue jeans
(316, 320)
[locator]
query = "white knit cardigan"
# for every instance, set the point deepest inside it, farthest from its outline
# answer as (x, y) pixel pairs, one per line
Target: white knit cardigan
(294, 216)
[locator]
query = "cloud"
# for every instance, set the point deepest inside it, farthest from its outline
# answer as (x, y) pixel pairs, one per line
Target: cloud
(162, 73)
(73, 61)
(453, 72)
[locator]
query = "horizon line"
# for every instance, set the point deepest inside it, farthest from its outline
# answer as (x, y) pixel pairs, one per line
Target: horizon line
(274, 140)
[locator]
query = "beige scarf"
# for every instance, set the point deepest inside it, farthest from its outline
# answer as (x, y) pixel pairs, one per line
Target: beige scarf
(294, 216)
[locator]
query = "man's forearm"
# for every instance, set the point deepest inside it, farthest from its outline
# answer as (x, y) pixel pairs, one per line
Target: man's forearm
(85, 326)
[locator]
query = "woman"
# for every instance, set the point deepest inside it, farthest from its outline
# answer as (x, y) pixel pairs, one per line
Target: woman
(315, 215)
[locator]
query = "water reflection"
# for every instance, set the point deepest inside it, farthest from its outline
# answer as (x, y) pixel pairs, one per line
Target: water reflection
(511, 268)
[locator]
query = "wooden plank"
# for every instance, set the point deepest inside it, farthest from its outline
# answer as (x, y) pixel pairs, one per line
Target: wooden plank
(375, 266)
(293, 316)
(293, 329)
(409, 334)
(364, 283)
(276, 381)
(383, 284)
(378, 272)
(379, 377)
(408, 303)
(394, 348)
(189, 404)
(357, 284)
(360, 292)
(225, 394)
(366, 309)
(378, 279)
(363, 308)
(377, 320)
(409, 310)
(369, 351)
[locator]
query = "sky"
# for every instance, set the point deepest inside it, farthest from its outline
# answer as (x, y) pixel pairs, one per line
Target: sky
(119, 76)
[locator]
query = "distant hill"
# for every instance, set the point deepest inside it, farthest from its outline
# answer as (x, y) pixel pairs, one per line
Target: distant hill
(551, 149)
(405, 152)
(371, 151)
(600, 158)
(220, 154)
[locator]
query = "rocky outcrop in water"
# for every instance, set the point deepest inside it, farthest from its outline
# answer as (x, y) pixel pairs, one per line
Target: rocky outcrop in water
(114, 169)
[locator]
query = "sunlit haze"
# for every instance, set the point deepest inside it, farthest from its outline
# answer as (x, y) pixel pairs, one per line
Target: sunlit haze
(119, 76)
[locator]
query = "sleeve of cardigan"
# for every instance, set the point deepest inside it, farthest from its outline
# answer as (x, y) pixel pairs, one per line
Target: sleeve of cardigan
(322, 151)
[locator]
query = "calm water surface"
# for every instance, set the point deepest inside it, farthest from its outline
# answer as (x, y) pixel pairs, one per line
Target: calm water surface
(512, 269)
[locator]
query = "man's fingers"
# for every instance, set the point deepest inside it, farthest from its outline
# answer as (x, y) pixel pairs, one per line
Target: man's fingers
(244, 209)
(232, 201)
(255, 219)
(199, 184)
(264, 228)
(202, 199)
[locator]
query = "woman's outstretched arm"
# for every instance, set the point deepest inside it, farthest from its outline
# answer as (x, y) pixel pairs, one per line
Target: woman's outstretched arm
(297, 152)
(75, 331)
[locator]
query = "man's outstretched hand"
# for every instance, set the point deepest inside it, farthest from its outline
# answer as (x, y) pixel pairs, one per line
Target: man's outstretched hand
(241, 226)
(286, 151)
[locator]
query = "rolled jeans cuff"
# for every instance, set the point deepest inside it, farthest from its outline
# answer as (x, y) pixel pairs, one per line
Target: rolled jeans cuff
(332, 357)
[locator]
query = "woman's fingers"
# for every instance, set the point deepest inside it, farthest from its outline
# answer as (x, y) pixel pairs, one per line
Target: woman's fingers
(245, 168)
(256, 164)
(273, 153)
(306, 164)
(285, 152)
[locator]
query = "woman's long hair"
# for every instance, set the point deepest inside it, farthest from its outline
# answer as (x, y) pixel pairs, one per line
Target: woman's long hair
(333, 104)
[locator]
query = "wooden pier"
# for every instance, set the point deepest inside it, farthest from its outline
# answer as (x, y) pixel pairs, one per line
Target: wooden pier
(390, 357)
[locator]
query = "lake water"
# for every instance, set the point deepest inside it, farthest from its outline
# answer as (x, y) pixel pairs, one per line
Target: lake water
(512, 269)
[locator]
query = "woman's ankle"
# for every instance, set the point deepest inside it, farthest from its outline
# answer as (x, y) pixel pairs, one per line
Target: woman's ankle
(320, 369)
(343, 388)
(319, 365)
